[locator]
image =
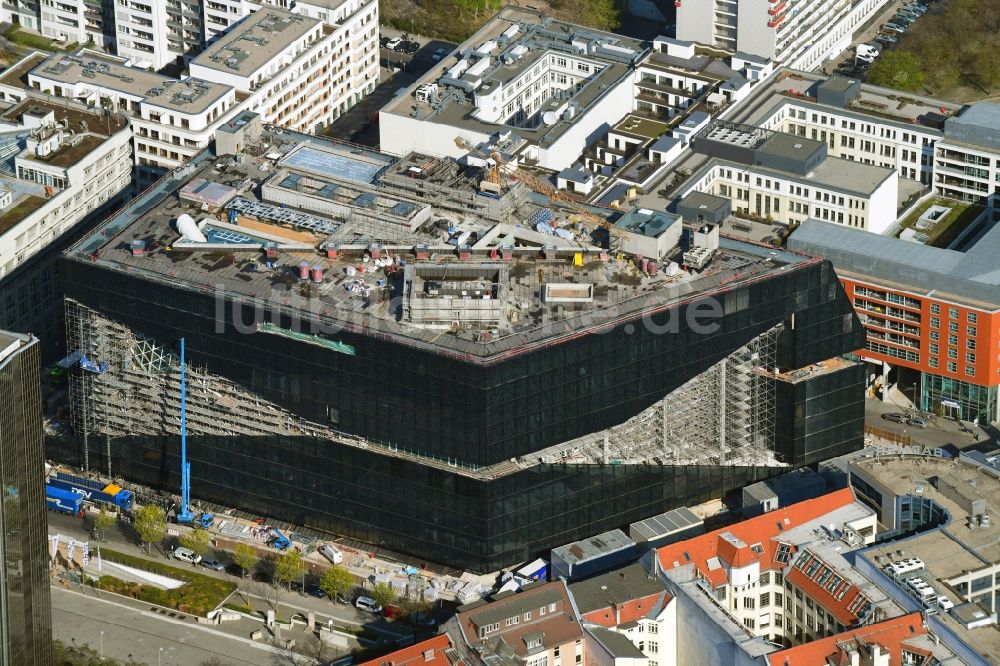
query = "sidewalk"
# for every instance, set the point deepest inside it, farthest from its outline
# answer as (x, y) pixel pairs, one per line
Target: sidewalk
(941, 431)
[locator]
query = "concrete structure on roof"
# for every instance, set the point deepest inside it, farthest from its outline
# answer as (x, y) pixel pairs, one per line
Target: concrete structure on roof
(778, 578)
(795, 486)
(536, 626)
(158, 33)
(627, 614)
(674, 525)
(930, 314)
(62, 166)
(593, 555)
(800, 34)
(946, 556)
(292, 69)
(331, 235)
(900, 640)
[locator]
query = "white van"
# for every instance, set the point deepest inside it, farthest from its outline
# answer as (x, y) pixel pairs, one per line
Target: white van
(867, 51)
(187, 555)
(332, 553)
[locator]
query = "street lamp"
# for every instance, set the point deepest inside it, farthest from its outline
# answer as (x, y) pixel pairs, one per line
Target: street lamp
(159, 658)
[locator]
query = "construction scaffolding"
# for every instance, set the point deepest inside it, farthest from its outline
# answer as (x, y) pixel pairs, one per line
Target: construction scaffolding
(724, 416)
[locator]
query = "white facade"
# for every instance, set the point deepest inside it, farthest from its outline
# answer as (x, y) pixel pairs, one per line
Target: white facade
(787, 199)
(798, 33)
(71, 191)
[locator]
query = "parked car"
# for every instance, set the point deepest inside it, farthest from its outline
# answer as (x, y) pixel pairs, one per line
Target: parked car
(917, 422)
(332, 553)
(867, 50)
(903, 20)
(214, 565)
(886, 39)
(867, 60)
(383, 41)
(895, 418)
(342, 598)
(440, 53)
(367, 604)
(393, 43)
(187, 555)
(892, 27)
(315, 591)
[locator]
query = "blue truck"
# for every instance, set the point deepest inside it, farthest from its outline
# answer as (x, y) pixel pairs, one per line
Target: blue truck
(278, 540)
(94, 491)
(63, 501)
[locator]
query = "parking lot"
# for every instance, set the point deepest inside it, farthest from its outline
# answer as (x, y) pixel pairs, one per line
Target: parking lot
(876, 38)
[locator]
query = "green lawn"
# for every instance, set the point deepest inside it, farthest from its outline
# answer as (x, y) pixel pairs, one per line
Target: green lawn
(33, 41)
(962, 214)
(198, 596)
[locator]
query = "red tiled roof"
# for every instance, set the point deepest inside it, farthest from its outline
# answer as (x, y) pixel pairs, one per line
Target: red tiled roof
(765, 529)
(414, 654)
(629, 611)
(890, 634)
(844, 601)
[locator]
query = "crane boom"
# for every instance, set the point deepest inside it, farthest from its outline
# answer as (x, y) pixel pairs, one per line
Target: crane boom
(537, 185)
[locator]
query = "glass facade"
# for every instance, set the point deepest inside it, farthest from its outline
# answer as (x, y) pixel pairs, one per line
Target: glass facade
(25, 605)
(958, 399)
(473, 413)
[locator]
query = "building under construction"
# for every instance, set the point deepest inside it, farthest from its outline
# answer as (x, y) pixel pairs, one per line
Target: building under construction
(454, 370)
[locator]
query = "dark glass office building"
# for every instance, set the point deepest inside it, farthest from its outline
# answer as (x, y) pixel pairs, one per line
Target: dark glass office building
(468, 404)
(25, 605)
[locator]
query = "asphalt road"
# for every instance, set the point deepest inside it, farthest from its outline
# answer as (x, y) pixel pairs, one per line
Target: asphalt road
(134, 636)
(941, 432)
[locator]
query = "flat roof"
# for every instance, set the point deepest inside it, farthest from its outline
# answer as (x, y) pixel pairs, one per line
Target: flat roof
(539, 36)
(646, 222)
(972, 277)
(587, 549)
(662, 525)
(253, 42)
(152, 216)
(189, 95)
(978, 124)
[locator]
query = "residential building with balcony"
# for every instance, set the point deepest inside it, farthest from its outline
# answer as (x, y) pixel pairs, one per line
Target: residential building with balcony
(797, 33)
(61, 165)
(932, 315)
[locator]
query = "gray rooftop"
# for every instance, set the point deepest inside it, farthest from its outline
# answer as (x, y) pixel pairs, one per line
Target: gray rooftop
(188, 95)
(595, 546)
(614, 587)
(514, 604)
(649, 223)
(576, 175)
(977, 124)
(972, 276)
(253, 42)
(662, 525)
(618, 645)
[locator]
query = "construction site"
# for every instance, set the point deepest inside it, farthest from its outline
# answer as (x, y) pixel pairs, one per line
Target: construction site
(448, 358)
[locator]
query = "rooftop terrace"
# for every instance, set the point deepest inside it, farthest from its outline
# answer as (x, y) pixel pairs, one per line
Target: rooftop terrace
(361, 300)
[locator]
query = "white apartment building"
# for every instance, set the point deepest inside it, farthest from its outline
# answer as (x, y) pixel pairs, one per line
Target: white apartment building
(61, 166)
(156, 33)
(786, 179)
(294, 70)
(967, 159)
(797, 33)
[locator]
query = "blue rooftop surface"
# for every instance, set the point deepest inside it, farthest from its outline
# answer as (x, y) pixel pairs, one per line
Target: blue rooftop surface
(973, 275)
(348, 164)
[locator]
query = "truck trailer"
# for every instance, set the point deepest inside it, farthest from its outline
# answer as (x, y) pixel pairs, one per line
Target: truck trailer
(94, 491)
(63, 501)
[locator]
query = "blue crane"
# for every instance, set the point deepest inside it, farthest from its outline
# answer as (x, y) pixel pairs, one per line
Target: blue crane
(184, 515)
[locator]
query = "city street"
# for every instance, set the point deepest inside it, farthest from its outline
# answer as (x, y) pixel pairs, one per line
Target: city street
(941, 432)
(143, 637)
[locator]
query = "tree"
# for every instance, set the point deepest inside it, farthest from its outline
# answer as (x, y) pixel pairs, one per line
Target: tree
(336, 580)
(897, 69)
(150, 524)
(103, 521)
(383, 594)
(196, 540)
(601, 14)
(245, 557)
(289, 566)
